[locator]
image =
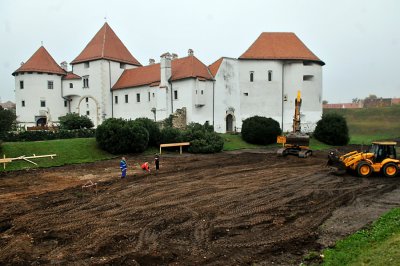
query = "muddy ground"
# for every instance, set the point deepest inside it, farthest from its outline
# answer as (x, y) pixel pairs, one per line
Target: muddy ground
(232, 208)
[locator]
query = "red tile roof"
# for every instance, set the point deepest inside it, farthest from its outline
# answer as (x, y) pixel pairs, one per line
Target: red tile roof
(106, 45)
(279, 45)
(186, 67)
(71, 75)
(215, 66)
(41, 61)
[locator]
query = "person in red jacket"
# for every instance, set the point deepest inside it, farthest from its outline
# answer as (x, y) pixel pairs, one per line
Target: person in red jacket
(145, 167)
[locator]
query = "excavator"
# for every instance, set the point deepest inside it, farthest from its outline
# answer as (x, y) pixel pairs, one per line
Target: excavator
(296, 142)
(381, 157)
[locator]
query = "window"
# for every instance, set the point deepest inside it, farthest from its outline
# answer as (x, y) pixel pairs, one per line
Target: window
(126, 98)
(42, 103)
(149, 96)
(269, 75)
(87, 64)
(122, 65)
(176, 95)
(71, 85)
(308, 77)
(87, 113)
(116, 99)
(21, 84)
(196, 91)
(202, 92)
(50, 84)
(65, 103)
(23, 103)
(246, 94)
(154, 95)
(87, 99)
(251, 76)
(138, 97)
(86, 82)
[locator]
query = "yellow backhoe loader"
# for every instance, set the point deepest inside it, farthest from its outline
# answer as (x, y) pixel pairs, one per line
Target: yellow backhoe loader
(381, 157)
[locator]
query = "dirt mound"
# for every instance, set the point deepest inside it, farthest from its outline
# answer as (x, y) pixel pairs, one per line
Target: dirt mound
(221, 209)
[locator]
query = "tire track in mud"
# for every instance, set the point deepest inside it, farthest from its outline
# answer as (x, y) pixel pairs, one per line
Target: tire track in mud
(200, 209)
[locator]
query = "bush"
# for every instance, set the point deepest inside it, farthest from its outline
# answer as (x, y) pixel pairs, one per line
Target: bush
(37, 135)
(260, 130)
(202, 138)
(7, 120)
(171, 135)
(152, 128)
(332, 129)
(75, 121)
(121, 136)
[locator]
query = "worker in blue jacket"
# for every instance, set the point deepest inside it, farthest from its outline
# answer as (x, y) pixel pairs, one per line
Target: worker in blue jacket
(123, 167)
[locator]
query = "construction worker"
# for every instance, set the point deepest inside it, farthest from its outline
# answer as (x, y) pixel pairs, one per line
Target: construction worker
(123, 167)
(145, 167)
(157, 162)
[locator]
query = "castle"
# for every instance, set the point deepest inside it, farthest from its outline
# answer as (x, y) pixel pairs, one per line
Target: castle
(107, 81)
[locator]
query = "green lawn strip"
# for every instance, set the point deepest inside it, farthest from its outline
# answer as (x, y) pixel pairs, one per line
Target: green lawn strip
(235, 142)
(377, 245)
(69, 151)
(317, 145)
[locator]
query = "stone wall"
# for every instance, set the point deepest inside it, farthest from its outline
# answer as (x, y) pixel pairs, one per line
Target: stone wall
(179, 118)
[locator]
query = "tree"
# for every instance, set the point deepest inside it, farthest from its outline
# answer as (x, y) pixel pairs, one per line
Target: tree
(324, 102)
(152, 128)
(260, 130)
(7, 120)
(75, 121)
(371, 97)
(332, 129)
(355, 100)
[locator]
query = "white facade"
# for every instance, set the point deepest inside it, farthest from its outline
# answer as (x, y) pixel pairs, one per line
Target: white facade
(39, 98)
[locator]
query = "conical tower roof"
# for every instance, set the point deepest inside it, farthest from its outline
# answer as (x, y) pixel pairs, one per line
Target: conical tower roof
(106, 45)
(41, 61)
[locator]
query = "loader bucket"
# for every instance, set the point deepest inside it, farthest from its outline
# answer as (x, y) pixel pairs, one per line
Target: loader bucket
(337, 167)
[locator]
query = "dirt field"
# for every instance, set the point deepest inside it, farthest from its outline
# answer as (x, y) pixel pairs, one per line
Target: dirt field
(225, 209)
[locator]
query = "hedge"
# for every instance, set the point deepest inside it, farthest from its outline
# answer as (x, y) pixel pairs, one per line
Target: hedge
(48, 135)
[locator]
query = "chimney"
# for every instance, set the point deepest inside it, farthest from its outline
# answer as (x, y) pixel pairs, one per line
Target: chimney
(165, 68)
(22, 63)
(190, 52)
(64, 65)
(152, 61)
(174, 56)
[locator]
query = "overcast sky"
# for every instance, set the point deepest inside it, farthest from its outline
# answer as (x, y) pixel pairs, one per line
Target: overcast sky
(359, 40)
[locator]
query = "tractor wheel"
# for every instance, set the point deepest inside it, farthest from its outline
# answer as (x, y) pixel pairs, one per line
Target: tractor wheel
(390, 170)
(364, 169)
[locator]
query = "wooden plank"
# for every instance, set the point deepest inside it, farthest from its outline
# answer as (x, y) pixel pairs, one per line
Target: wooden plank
(174, 144)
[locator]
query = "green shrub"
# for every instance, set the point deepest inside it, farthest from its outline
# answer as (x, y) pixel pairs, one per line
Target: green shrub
(7, 120)
(260, 130)
(37, 135)
(152, 128)
(332, 129)
(210, 142)
(75, 121)
(121, 136)
(170, 135)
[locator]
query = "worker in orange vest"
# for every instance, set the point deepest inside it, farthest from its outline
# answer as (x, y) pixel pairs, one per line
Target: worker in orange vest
(145, 167)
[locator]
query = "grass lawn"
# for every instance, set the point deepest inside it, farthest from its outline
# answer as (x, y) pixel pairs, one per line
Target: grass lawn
(369, 124)
(235, 142)
(377, 245)
(69, 151)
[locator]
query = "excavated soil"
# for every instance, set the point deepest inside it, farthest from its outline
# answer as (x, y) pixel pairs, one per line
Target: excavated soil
(232, 208)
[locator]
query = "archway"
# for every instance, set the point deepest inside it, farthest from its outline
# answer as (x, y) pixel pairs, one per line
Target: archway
(41, 121)
(229, 123)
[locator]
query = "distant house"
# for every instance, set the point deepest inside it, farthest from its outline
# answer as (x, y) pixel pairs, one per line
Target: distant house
(107, 81)
(343, 105)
